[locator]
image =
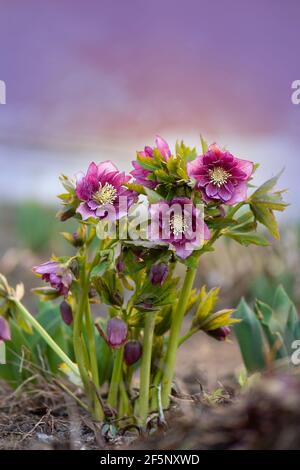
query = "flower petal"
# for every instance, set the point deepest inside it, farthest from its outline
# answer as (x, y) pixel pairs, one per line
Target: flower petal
(85, 211)
(163, 147)
(246, 166)
(239, 195)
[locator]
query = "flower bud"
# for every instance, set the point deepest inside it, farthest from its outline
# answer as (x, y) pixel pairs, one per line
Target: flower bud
(4, 330)
(220, 333)
(120, 265)
(132, 352)
(116, 332)
(66, 313)
(158, 273)
(67, 214)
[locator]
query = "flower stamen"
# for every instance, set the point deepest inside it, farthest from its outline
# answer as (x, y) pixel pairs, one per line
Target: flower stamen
(178, 225)
(106, 194)
(218, 176)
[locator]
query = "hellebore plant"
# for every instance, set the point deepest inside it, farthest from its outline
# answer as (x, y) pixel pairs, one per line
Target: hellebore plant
(132, 232)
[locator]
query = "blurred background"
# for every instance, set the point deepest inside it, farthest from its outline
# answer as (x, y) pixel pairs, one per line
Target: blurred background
(97, 79)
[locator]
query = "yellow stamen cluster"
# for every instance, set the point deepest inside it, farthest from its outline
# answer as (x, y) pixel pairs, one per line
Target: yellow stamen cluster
(178, 225)
(106, 194)
(218, 176)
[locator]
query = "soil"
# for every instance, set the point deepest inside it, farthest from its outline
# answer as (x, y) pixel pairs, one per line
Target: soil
(206, 413)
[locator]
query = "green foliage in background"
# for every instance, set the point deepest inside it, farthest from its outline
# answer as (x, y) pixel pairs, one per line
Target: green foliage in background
(28, 354)
(37, 228)
(267, 332)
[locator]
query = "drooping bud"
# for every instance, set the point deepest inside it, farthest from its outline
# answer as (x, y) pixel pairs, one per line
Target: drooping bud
(132, 352)
(117, 331)
(158, 273)
(120, 265)
(66, 214)
(4, 330)
(66, 313)
(220, 333)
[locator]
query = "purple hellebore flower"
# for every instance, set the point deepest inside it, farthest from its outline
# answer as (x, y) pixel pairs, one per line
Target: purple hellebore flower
(158, 273)
(59, 276)
(66, 312)
(132, 352)
(220, 176)
(179, 224)
(4, 330)
(141, 174)
(117, 331)
(101, 190)
(220, 333)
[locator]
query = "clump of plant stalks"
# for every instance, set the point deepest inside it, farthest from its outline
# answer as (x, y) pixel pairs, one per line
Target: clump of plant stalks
(132, 232)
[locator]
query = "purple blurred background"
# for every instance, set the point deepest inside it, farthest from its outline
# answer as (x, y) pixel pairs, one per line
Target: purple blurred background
(98, 79)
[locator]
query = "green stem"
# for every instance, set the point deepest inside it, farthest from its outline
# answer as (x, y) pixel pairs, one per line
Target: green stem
(99, 415)
(36, 325)
(78, 344)
(143, 404)
(177, 320)
(187, 336)
(124, 405)
(112, 399)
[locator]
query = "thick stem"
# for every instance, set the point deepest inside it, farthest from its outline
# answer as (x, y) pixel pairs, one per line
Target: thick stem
(79, 345)
(143, 404)
(36, 325)
(112, 399)
(99, 415)
(175, 334)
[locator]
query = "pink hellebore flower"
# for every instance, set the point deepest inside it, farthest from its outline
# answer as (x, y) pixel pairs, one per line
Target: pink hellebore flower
(178, 223)
(4, 330)
(60, 277)
(220, 176)
(101, 189)
(141, 174)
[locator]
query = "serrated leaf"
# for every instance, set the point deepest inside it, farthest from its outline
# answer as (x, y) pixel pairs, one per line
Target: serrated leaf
(266, 187)
(247, 238)
(138, 188)
(266, 217)
(148, 163)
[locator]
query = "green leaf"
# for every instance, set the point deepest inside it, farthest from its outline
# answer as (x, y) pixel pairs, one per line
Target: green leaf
(203, 145)
(271, 328)
(153, 196)
(250, 338)
(266, 217)
(219, 319)
(266, 187)
(138, 188)
(247, 238)
(207, 302)
(147, 162)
